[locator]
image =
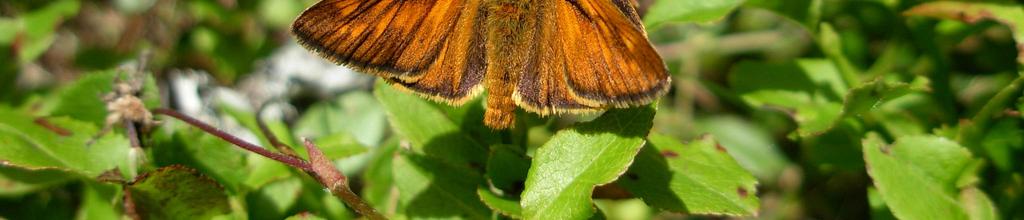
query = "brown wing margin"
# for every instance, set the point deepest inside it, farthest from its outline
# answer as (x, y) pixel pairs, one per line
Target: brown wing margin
(418, 45)
(592, 54)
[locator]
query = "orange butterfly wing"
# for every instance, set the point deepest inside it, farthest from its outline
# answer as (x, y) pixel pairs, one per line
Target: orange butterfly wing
(593, 54)
(427, 46)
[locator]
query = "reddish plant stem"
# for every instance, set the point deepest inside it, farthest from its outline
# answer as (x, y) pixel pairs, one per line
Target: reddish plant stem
(319, 167)
(290, 161)
(132, 133)
(281, 146)
(129, 205)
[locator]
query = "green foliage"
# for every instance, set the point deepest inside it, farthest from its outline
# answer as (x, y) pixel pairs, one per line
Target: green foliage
(688, 11)
(58, 143)
(566, 169)
(794, 109)
(921, 177)
(177, 192)
(699, 178)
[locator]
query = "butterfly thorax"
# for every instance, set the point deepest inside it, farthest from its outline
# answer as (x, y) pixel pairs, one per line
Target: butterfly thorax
(511, 41)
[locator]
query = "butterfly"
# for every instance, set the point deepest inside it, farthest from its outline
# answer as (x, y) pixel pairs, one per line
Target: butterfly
(545, 56)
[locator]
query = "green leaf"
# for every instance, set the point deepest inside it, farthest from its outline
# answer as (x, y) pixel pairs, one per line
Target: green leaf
(1000, 141)
(378, 179)
(206, 153)
(917, 176)
(340, 145)
(264, 170)
(356, 113)
(663, 11)
(505, 206)
(38, 27)
(58, 143)
(806, 12)
(98, 201)
(507, 167)
(879, 210)
(16, 181)
(273, 200)
(978, 205)
(971, 12)
(83, 100)
(177, 192)
(428, 129)
(699, 178)
(429, 188)
(568, 167)
(752, 146)
(813, 92)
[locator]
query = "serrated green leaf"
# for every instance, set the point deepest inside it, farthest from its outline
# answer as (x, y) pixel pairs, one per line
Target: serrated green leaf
(813, 91)
(58, 143)
(568, 167)
(429, 188)
(428, 129)
(699, 178)
(177, 192)
(917, 176)
(663, 11)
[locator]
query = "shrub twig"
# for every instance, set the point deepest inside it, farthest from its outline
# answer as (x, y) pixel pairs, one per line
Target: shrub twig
(318, 166)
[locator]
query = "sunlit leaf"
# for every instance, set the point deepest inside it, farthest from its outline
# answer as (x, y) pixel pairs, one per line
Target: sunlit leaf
(663, 11)
(428, 129)
(58, 143)
(918, 175)
(568, 167)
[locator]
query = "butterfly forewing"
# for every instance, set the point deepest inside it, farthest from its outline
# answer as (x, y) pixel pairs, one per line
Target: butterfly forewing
(559, 56)
(593, 54)
(427, 46)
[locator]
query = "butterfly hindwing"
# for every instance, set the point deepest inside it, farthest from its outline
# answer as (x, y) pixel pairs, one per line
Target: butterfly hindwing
(593, 54)
(427, 46)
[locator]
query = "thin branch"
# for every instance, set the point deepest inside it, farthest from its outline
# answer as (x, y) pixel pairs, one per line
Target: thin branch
(318, 166)
(291, 161)
(281, 147)
(132, 133)
(335, 181)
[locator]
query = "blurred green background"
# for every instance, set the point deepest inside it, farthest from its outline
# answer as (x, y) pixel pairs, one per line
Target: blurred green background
(794, 90)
